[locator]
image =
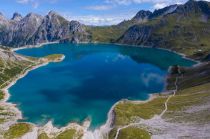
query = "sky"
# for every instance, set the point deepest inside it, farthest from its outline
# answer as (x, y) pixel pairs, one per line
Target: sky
(89, 12)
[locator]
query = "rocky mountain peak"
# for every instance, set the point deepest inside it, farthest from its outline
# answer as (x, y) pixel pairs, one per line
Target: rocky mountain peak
(33, 15)
(17, 16)
(55, 20)
(51, 13)
(32, 18)
(142, 15)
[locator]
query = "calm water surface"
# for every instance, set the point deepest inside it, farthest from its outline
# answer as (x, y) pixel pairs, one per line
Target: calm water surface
(89, 81)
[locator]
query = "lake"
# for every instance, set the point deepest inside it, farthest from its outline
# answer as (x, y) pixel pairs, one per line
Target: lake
(89, 81)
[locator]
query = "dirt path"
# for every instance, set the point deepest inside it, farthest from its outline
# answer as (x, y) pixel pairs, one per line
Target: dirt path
(155, 117)
(166, 103)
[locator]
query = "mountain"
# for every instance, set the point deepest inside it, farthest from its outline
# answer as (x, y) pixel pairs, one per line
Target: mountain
(182, 28)
(54, 27)
(35, 29)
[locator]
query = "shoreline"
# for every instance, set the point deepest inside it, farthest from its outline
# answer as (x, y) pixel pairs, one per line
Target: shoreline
(5, 90)
(99, 132)
(141, 46)
(33, 46)
(117, 44)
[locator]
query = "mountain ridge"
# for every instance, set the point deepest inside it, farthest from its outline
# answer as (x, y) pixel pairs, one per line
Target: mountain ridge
(186, 30)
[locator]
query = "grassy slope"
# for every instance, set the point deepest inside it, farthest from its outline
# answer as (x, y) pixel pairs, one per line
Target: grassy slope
(67, 134)
(188, 35)
(134, 133)
(198, 96)
(43, 136)
(125, 112)
(108, 34)
(54, 57)
(10, 69)
(17, 131)
(1, 95)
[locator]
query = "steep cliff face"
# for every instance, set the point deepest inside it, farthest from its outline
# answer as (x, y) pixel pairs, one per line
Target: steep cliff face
(53, 27)
(77, 32)
(22, 31)
(136, 35)
(142, 16)
(35, 29)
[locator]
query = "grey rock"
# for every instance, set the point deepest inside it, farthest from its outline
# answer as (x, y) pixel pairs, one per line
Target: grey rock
(136, 35)
(16, 17)
(18, 33)
(141, 15)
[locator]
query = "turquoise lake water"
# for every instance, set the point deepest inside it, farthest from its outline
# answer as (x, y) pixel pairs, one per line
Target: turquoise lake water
(89, 81)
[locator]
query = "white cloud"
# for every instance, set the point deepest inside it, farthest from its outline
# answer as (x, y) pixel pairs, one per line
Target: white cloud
(98, 20)
(157, 4)
(102, 20)
(35, 3)
(99, 7)
(23, 1)
(151, 78)
(126, 2)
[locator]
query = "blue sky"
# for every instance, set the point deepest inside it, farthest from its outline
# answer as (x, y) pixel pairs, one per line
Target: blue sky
(91, 12)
